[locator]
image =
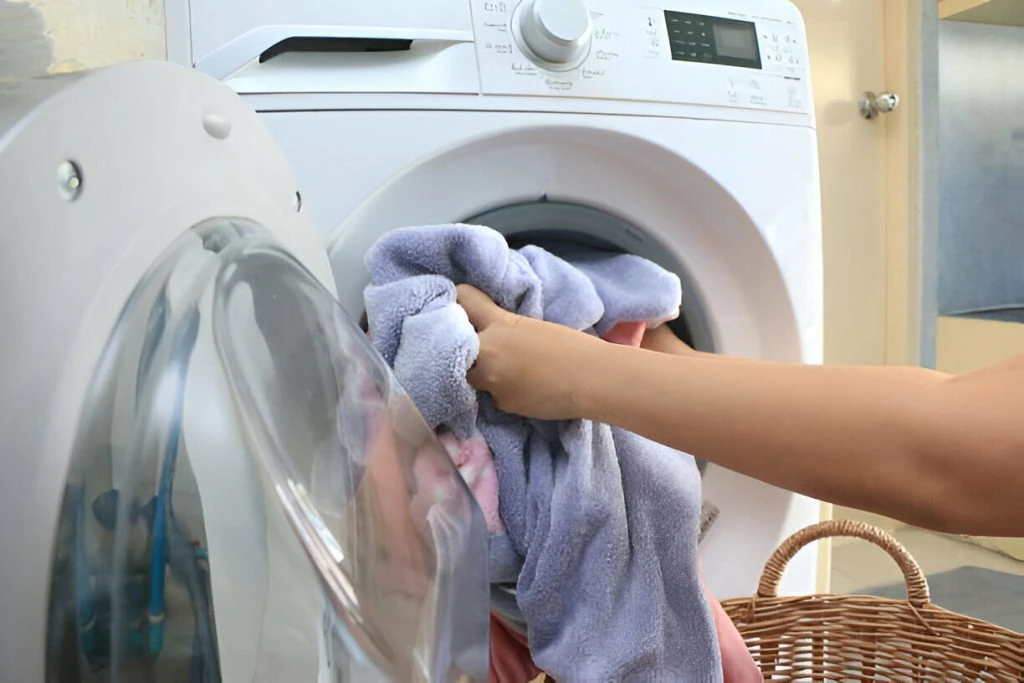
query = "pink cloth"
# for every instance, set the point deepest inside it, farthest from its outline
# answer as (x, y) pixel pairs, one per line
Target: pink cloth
(510, 655)
(626, 334)
(475, 462)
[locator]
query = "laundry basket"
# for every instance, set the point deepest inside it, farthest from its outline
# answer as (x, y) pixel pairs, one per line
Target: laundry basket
(863, 638)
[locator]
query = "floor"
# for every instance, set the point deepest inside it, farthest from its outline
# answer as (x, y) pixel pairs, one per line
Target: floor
(857, 565)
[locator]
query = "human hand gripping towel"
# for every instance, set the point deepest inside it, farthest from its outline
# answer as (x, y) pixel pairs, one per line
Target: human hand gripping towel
(601, 524)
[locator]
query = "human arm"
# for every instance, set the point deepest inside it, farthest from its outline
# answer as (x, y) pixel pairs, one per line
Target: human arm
(938, 451)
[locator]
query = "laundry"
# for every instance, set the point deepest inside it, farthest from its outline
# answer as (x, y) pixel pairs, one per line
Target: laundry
(601, 524)
(510, 655)
(475, 462)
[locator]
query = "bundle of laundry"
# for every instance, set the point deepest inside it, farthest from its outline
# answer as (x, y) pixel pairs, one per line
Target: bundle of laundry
(593, 530)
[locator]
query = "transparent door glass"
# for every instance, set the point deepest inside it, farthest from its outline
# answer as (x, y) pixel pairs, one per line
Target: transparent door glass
(251, 496)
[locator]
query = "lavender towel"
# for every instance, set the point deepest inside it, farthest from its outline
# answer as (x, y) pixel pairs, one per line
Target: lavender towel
(601, 524)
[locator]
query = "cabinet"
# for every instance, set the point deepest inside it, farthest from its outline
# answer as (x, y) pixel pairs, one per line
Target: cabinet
(1005, 12)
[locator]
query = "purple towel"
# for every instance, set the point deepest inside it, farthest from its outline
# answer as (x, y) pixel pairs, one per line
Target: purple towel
(602, 524)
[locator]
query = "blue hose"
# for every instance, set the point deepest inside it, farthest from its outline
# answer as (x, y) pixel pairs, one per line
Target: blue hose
(85, 599)
(161, 512)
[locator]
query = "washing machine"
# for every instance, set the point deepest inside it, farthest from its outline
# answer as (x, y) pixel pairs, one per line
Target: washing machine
(679, 130)
(209, 474)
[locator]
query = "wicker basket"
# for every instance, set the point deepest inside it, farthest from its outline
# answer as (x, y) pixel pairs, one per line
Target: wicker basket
(862, 638)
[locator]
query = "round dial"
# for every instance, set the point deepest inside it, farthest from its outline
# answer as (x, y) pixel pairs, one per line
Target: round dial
(555, 32)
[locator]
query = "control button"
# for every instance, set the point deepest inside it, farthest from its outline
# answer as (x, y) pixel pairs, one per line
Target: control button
(557, 32)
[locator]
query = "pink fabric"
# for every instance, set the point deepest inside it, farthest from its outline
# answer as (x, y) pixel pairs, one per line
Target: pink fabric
(626, 334)
(475, 461)
(510, 655)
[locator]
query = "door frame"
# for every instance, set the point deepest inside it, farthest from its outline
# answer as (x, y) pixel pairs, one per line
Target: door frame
(911, 66)
(910, 42)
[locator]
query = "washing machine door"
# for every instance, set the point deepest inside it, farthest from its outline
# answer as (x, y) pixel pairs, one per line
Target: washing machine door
(247, 494)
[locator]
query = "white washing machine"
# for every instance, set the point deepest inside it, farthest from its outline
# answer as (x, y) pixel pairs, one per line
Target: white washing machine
(185, 385)
(679, 130)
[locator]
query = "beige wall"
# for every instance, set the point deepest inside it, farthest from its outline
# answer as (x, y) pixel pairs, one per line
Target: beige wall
(54, 36)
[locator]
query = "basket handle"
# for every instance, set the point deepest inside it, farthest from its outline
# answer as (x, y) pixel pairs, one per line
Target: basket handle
(917, 585)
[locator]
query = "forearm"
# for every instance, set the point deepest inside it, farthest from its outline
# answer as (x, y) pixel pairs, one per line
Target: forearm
(881, 439)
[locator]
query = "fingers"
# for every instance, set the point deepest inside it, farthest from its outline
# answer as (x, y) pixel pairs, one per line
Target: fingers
(478, 306)
(482, 312)
(475, 375)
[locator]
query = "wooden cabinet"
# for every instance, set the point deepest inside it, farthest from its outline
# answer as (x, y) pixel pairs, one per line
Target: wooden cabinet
(1007, 12)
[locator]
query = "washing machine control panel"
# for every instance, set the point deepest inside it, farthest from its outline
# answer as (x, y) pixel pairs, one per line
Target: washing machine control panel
(555, 34)
(731, 53)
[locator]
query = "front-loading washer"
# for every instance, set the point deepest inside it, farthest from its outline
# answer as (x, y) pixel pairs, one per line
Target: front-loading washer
(679, 130)
(179, 373)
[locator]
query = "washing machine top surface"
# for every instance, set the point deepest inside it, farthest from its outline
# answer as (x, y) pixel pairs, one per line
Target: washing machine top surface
(726, 59)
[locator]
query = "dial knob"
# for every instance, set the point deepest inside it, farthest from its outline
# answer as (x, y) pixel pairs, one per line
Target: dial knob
(556, 32)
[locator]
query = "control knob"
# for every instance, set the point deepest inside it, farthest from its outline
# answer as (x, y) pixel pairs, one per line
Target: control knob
(554, 33)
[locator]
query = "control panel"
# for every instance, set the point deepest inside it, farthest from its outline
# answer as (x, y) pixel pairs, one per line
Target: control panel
(736, 53)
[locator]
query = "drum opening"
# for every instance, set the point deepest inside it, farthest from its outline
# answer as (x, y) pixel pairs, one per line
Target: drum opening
(563, 227)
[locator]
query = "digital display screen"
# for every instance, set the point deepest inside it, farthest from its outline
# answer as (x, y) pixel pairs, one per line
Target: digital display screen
(713, 40)
(735, 41)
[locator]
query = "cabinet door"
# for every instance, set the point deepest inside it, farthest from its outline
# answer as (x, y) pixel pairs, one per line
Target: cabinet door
(847, 58)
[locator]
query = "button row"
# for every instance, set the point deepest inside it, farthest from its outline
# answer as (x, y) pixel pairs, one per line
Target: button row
(779, 58)
(769, 37)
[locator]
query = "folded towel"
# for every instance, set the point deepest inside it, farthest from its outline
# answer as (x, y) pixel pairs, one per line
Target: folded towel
(601, 524)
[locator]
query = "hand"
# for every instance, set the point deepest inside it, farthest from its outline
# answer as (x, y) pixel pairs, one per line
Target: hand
(529, 367)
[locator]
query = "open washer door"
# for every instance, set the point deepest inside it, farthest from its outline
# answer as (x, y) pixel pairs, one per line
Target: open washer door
(208, 473)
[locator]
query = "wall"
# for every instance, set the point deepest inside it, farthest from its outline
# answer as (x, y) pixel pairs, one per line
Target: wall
(54, 36)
